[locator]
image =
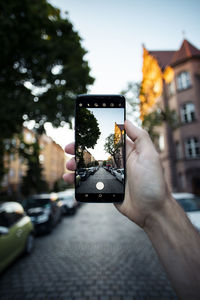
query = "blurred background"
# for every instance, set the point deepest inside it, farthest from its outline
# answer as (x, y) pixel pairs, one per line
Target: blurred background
(51, 51)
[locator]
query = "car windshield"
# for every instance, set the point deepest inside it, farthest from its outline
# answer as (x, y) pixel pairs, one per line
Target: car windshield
(35, 202)
(189, 205)
(65, 197)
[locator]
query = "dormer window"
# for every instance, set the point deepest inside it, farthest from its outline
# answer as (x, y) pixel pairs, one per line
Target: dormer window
(183, 80)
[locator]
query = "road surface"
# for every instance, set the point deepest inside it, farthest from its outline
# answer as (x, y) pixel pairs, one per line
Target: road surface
(97, 254)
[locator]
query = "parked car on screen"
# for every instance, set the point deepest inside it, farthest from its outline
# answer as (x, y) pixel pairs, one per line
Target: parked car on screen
(92, 170)
(16, 233)
(44, 210)
(191, 205)
(119, 174)
(68, 201)
(83, 173)
(113, 170)
(78, 180)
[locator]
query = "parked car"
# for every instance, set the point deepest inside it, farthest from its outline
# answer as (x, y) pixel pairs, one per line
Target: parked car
(44, 210)
(68, 201)
(113, 170)
(119, 174)
(16, 233)
(83, 173)
(191, 205)
(92, 170)
(78, 180)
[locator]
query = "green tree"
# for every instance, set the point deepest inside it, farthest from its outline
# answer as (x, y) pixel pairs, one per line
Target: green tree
(112, 147)
(42, 67)
(153, 119)
(61, 185)
(33, 181)
(87, 132)
(96, 163)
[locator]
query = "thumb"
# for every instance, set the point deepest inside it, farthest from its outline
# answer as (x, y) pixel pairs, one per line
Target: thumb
(137, 134)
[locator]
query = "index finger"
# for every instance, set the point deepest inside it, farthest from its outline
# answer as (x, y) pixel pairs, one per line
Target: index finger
(70, 148)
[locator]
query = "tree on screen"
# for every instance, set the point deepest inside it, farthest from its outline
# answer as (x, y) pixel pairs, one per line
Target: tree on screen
(87, 132)
(112, 147)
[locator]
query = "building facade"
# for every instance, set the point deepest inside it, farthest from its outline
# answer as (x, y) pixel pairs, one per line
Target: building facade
(52, 159)
(119, 138)
(179, 146)
(88, 158)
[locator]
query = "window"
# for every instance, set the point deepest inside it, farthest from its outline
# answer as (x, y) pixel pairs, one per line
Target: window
(41, 158)
(10, 213)
(12, 157)
(183, 81)
(178, 150)
(11, 173)
(192, 148)
(161, 142)
(188, 113)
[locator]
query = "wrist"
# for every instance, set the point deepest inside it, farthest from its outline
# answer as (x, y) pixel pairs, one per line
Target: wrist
(163, 215)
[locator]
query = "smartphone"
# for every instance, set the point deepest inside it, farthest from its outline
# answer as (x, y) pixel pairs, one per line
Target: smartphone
(100, 148)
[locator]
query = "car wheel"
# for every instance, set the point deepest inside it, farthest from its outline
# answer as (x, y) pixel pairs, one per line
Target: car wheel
(30, 242)
(72, 211)
(49, 226)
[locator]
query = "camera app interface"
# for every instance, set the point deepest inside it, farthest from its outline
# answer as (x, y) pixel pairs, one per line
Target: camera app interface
(100, 150)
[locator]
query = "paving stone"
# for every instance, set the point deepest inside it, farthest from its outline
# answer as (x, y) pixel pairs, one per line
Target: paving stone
(95, 255)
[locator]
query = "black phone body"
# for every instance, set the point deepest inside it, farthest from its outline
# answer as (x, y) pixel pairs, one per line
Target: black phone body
(100, 148)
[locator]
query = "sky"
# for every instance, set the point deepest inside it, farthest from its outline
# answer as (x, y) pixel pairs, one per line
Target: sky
(113, 33)
(106, 118)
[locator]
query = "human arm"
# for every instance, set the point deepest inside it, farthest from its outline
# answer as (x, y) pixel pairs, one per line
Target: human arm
(149, 204)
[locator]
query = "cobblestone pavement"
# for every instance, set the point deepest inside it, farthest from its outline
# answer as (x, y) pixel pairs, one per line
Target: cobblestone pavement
(97, 254)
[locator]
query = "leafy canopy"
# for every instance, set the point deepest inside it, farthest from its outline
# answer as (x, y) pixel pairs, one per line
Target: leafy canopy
(87, 129)
(41, 52)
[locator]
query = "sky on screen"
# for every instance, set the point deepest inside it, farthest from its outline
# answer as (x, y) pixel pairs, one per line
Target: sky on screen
(106, 118)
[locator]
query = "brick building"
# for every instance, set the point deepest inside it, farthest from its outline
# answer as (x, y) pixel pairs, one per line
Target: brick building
(88, 158)
(180, 146)
(52, 159)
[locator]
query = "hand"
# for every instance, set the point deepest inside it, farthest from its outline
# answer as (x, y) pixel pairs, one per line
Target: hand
(146, 191)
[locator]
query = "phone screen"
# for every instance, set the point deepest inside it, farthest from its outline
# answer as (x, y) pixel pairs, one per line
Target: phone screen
(100, 148)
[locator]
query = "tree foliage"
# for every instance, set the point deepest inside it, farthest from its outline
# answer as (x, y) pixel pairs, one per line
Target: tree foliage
(112, 147)
(87, 129)
(87, 133)
(33, 181)
(153, 119)
(42, 66)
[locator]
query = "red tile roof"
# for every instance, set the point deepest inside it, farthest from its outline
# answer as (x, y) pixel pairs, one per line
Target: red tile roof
(163, 57)
(186, 51)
